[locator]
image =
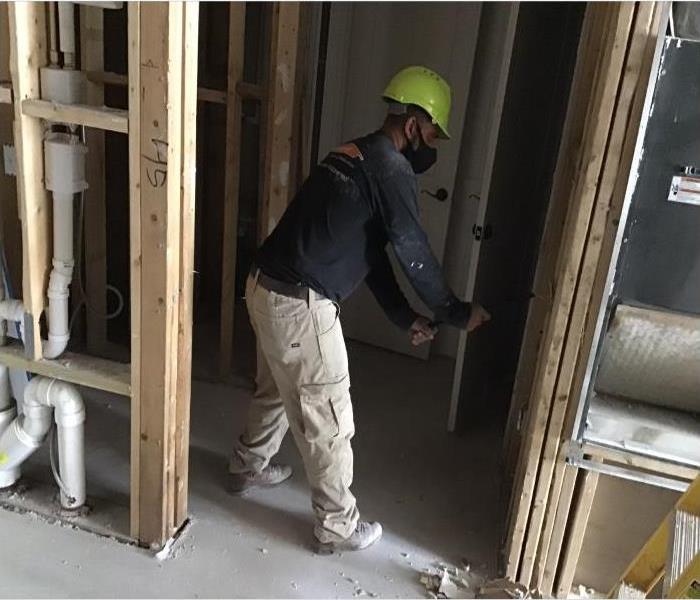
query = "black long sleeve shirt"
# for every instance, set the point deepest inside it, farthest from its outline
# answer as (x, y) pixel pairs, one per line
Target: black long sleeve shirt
(334, 234)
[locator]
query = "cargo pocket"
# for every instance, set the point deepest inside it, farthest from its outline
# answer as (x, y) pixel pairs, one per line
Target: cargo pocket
(327, 411)
(331, 343)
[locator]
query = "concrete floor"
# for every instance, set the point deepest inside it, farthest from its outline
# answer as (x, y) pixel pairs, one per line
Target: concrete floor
(436, 495)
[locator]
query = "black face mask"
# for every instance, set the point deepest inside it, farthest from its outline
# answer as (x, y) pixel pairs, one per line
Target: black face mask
(421, 158)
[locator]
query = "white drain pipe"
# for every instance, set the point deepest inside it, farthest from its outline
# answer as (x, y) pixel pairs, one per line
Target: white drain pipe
(26, 433)
(8, 413)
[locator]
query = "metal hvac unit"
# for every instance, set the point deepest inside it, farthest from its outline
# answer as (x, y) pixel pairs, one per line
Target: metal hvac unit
(641, 395)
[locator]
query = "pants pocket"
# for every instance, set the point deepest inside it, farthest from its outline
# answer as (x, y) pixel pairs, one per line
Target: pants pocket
(331, 342)
(327, 411)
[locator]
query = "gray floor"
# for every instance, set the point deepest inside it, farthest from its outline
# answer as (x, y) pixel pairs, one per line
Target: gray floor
(435, 494)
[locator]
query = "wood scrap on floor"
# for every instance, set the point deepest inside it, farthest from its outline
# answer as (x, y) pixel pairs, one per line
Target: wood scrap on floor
(444, 581)
(506, 588)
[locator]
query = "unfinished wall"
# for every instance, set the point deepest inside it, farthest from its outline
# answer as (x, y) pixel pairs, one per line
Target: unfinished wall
(10, 232)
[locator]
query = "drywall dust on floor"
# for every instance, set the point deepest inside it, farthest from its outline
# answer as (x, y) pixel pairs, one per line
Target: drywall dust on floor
(435, 494)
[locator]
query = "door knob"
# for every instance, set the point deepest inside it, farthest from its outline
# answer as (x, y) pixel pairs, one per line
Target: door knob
(441, 194)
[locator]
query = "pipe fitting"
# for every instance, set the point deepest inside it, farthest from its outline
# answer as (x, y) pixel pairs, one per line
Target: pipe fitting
(6, 417)
(27, 433)
(12, 310)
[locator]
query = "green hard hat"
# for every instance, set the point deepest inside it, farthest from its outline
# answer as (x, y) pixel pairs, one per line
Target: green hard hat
(424, 88)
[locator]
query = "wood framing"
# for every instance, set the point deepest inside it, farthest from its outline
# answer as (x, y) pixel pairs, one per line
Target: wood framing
(89, 371)
(161, 113)
(278, 111)
(236, 35)
(619, 40)
(101, 117)
(187, 214)
(596, 198)
(549, 560)
(28, 53)
(247, 91)
(584, 503)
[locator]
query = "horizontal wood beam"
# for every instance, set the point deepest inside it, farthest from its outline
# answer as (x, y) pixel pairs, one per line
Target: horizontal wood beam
(246, 91)
(89, 371)
(100, 117)
(250, 91)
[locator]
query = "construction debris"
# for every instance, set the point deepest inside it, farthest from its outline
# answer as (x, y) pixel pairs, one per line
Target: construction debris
(451, 582)
(505, 588)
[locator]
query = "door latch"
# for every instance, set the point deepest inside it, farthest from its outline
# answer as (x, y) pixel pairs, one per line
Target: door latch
(480, 232)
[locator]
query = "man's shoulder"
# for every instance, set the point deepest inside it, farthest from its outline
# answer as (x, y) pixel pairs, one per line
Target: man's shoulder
(381, 156)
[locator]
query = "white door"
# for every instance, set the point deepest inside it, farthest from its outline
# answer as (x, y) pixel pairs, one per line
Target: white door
(368, 43)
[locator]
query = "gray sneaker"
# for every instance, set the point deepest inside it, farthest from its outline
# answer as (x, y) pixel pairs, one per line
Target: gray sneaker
(364, 536)
(272, 475)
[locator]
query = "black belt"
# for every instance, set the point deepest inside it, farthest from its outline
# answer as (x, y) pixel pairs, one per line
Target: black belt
(293, 290)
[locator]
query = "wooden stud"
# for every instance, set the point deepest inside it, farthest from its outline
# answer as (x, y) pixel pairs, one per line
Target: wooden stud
(544, 281)
(184, 332)
(615, 167)
(589, 57)
(90, 371)
(101, 117)
(561, 519)
(95, 209)
(278, 115)
(236, 35)
(247, 91)
(160, 130)
(547, 534)
(27, 55)
(134, 66)
(551, 496)
(584, 503)
(585, 243)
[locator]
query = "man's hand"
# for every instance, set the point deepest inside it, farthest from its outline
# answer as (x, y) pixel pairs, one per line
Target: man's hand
(421, 331)
(478, 317)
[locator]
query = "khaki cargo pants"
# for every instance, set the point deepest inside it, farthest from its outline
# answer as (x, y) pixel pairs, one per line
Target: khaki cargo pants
(302, 384)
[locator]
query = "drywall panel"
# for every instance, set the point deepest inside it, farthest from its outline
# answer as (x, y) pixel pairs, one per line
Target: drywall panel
(624, 515)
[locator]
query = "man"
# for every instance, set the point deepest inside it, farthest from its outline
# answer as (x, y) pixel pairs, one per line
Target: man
(334, 234)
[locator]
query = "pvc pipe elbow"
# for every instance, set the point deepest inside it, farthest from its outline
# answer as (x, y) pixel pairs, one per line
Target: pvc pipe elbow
(63, 397)
(54, 346)
(68, 404)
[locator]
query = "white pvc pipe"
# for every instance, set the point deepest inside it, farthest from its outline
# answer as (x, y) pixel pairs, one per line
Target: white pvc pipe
(7, 415)
(66, 33)
(70, 418)
(5, 400)
(63, 230)
(12, 310)
(28, 432)
(61, 275)
(24, 435)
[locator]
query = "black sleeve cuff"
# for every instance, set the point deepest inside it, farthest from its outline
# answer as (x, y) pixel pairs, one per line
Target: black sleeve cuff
(455, 313)
(403, 318)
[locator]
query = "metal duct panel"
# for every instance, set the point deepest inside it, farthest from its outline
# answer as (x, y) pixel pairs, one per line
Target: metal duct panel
(652, 356)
